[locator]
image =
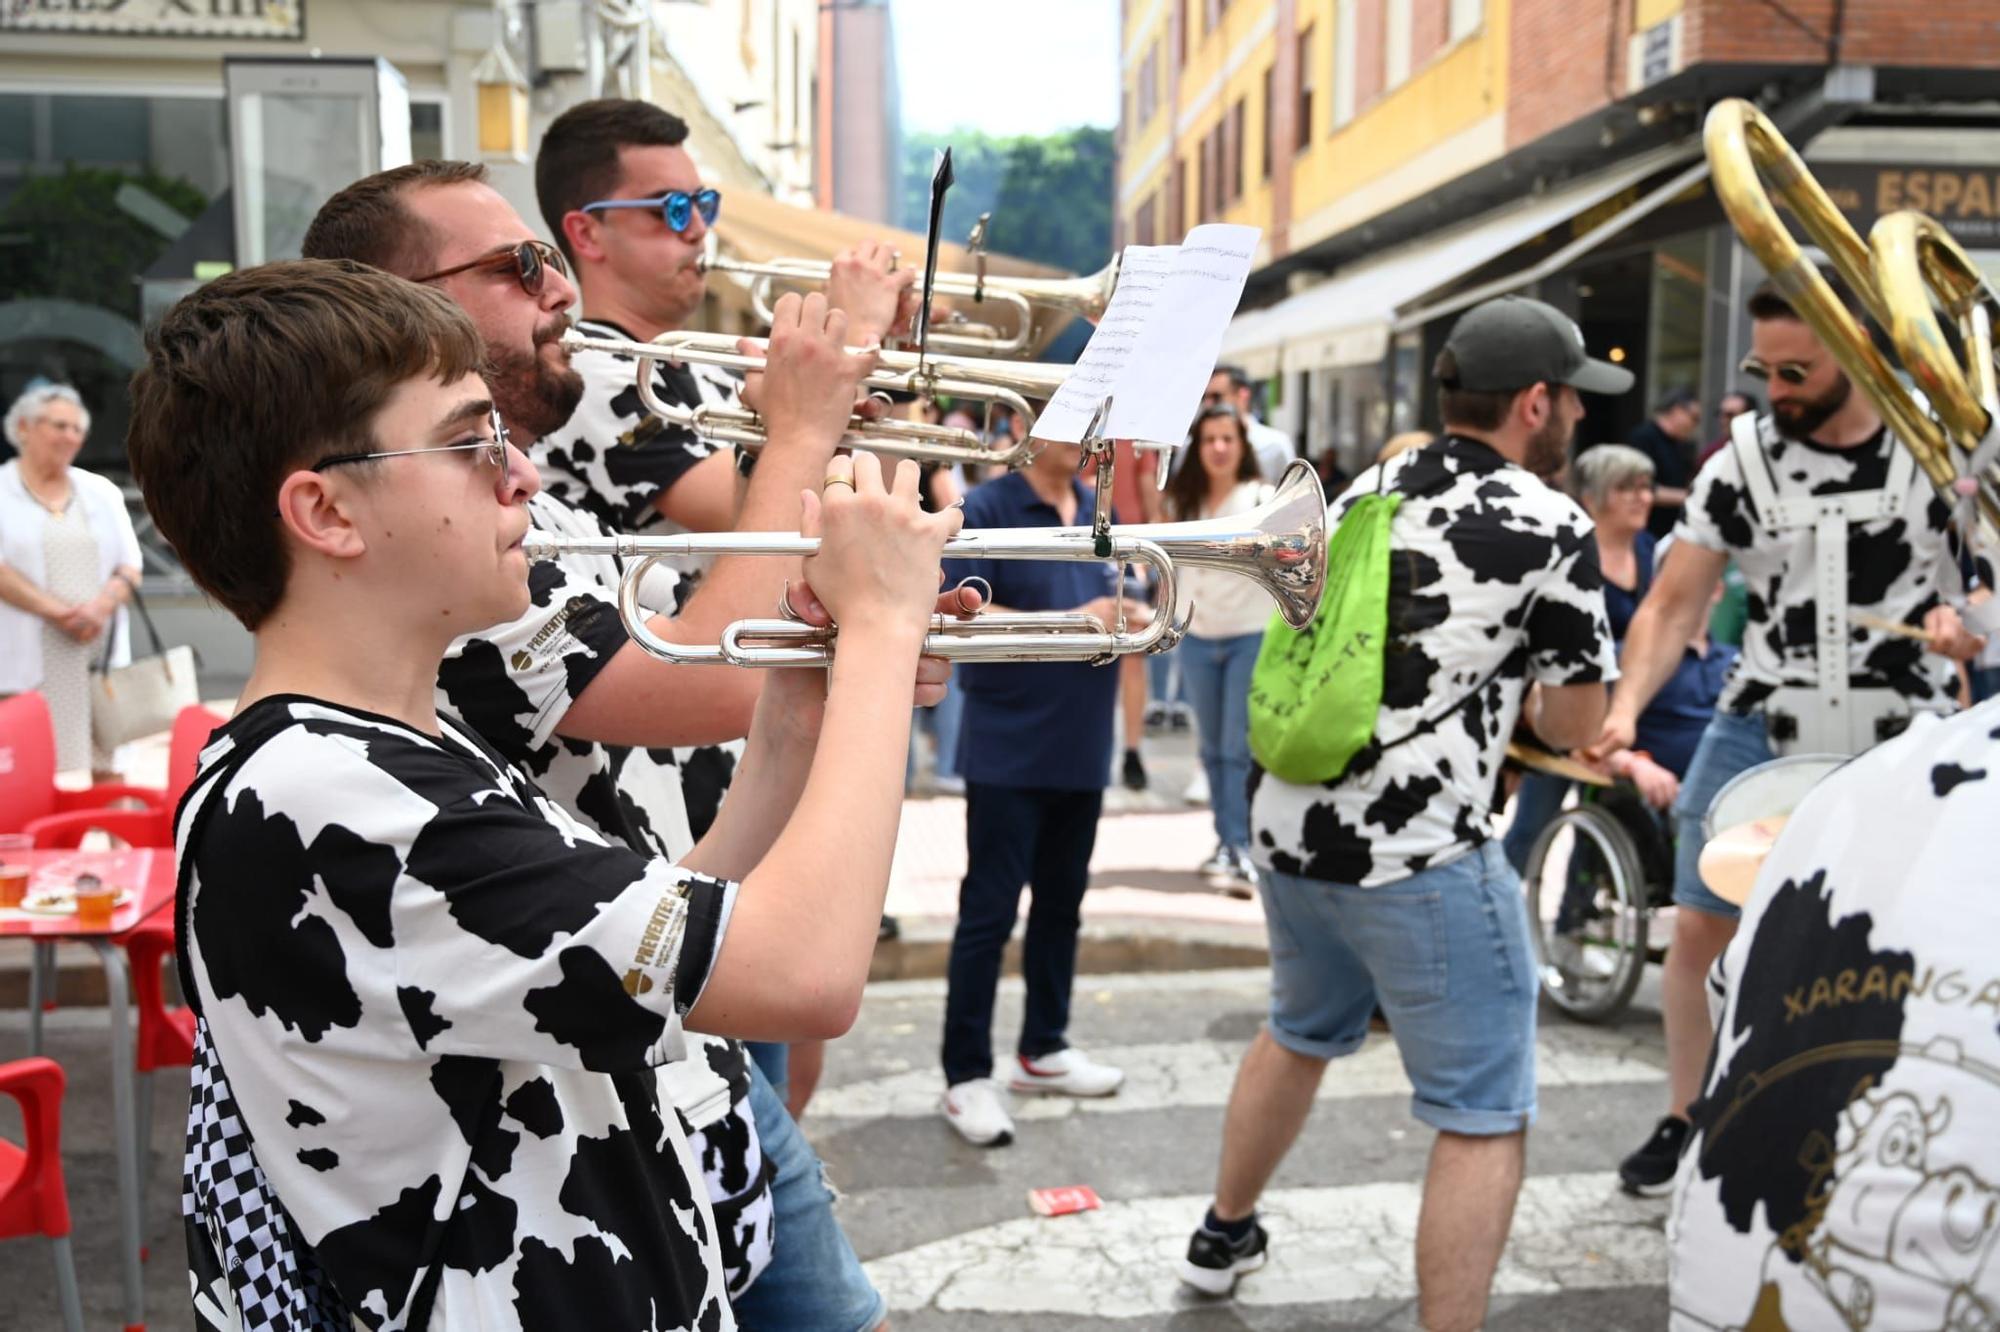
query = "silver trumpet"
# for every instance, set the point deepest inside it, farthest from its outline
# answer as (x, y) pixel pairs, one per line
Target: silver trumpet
(1281, 546)
(1007, 384)
(1085, 297)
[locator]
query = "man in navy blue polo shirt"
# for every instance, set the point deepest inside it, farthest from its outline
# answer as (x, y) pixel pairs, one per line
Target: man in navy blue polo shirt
(1036, 754)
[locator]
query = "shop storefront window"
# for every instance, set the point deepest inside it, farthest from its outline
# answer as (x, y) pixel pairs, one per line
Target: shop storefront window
(1679, 315)
(94, 191)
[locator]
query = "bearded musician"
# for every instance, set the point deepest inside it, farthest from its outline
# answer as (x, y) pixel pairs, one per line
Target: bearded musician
(1841, 539)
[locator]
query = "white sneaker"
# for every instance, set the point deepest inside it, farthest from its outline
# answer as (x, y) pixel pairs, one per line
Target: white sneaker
(1568, 955)
(978, 1110)
(1197, 789)
(1065, 1073)
(1218, 866)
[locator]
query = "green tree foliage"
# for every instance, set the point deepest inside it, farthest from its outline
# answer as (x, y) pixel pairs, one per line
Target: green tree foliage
(73, 241)
(1050, 197)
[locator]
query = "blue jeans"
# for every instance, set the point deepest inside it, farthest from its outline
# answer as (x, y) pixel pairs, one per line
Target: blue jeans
(1217, 671)
(1164, 681)
(815, 1280)
(1536, 804)
(1985, 683)
(1729, 746)
(1013, 836)
(1446, 952)
(947, 719)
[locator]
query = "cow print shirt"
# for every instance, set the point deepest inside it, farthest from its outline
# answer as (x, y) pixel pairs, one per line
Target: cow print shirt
(1493, 583)
(432, 1004)
(513, 684)
(1844, 1170)
(613, 457)
(612, 460)
(1891, 568)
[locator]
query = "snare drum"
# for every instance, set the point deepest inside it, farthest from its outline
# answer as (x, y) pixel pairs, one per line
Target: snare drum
(1746, 816)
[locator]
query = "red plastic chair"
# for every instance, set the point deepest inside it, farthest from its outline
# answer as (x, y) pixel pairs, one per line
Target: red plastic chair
(28, 789)
(166, 1035)
(151, 826)
(33, 1200)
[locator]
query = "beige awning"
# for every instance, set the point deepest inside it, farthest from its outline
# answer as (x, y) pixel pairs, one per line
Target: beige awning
(757, 228)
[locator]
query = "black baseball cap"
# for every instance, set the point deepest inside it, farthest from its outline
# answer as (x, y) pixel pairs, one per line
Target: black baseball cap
(1511, 342)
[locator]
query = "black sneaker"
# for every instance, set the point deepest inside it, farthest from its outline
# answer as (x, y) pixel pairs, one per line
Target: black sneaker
(1649, 1172)
(1213, 1263)
(890, 931)
(1135, 771)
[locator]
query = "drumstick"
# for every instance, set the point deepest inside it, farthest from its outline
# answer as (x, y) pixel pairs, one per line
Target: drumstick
(1881, 625)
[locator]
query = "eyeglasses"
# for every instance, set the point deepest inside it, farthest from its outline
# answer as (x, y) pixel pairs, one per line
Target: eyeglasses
(491, 451)
(676, 207)
(1792, 372)
(531, 260)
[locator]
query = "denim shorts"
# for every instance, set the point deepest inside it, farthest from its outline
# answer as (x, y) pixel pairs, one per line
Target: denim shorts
(1729, 746)
(1446, 952)
(814, 1282)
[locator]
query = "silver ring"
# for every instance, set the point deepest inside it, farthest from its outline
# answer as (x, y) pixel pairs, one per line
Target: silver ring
(985, 594)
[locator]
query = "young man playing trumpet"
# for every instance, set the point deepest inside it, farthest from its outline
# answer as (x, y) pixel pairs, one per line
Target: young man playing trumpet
(562, 691)
(430, 1001)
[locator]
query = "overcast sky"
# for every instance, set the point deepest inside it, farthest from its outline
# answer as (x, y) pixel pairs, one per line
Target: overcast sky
(1007, 66)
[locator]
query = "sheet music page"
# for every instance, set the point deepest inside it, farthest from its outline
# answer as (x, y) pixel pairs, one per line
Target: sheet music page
(1156, 346)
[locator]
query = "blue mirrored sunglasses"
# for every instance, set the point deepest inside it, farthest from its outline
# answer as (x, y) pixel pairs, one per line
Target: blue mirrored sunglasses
(677, 208)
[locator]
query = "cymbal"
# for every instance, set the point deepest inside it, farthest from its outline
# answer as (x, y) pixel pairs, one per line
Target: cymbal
(1556, 765)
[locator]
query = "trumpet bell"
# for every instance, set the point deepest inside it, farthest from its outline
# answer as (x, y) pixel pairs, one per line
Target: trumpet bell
(1280, 545)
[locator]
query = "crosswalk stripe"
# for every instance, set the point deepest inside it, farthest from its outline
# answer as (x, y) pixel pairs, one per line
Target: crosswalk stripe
(1181, 1074)
(1328, 1245)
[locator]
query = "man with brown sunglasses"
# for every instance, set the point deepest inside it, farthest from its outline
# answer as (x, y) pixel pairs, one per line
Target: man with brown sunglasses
(1837, 533)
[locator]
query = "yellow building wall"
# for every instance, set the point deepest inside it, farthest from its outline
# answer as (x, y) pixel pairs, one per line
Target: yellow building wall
(1448, 117)
(1445, 119)
(1652, 12)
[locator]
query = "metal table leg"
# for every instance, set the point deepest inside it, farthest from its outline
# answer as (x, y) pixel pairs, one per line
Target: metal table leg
(41, 989)
(125, 1129)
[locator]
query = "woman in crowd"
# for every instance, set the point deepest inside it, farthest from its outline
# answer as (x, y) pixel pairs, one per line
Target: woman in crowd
(69, 561)
(1223, 637)
(1614, 483)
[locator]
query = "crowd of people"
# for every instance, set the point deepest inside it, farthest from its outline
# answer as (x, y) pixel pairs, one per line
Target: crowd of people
(514, 946)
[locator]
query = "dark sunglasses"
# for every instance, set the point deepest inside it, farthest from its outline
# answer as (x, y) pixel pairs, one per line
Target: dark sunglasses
(1792, 372)
(676, 208)
(531, 261)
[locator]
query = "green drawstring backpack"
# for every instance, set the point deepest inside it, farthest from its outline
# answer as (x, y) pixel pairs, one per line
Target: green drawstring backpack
(1315, 693)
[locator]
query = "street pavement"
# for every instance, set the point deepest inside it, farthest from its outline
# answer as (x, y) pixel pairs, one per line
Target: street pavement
(945, 1228)
(948, 1236)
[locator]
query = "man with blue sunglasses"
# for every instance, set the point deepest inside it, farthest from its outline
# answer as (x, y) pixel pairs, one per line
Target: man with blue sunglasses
(625, 201)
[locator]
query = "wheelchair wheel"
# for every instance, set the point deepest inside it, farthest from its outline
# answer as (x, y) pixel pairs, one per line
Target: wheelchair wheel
(1583, 873)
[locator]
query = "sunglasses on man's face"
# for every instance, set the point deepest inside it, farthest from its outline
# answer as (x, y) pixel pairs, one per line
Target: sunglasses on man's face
(530, 260)
(676, 207)
(1792, 372)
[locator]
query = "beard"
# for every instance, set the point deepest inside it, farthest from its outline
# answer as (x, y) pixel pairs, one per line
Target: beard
(1799, 418)
(534, 397)
(1548, 447)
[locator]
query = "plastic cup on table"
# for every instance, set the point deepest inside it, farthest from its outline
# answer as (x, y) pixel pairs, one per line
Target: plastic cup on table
(14, 848)
(94, 901)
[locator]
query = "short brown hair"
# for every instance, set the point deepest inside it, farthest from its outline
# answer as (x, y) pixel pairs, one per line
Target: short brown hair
(1770, 302)
(370, 223)
(578, 160)
(260, 373)
(1471, 408)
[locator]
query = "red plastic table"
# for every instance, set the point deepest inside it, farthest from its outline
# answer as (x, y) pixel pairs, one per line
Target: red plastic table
(148, 875)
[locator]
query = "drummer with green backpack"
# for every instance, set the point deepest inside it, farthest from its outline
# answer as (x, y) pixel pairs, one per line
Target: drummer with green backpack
(1462, 592)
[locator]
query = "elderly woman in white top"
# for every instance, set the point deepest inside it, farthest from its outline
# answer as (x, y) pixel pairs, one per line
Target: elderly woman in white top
(1228, 627)
(69, 561)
